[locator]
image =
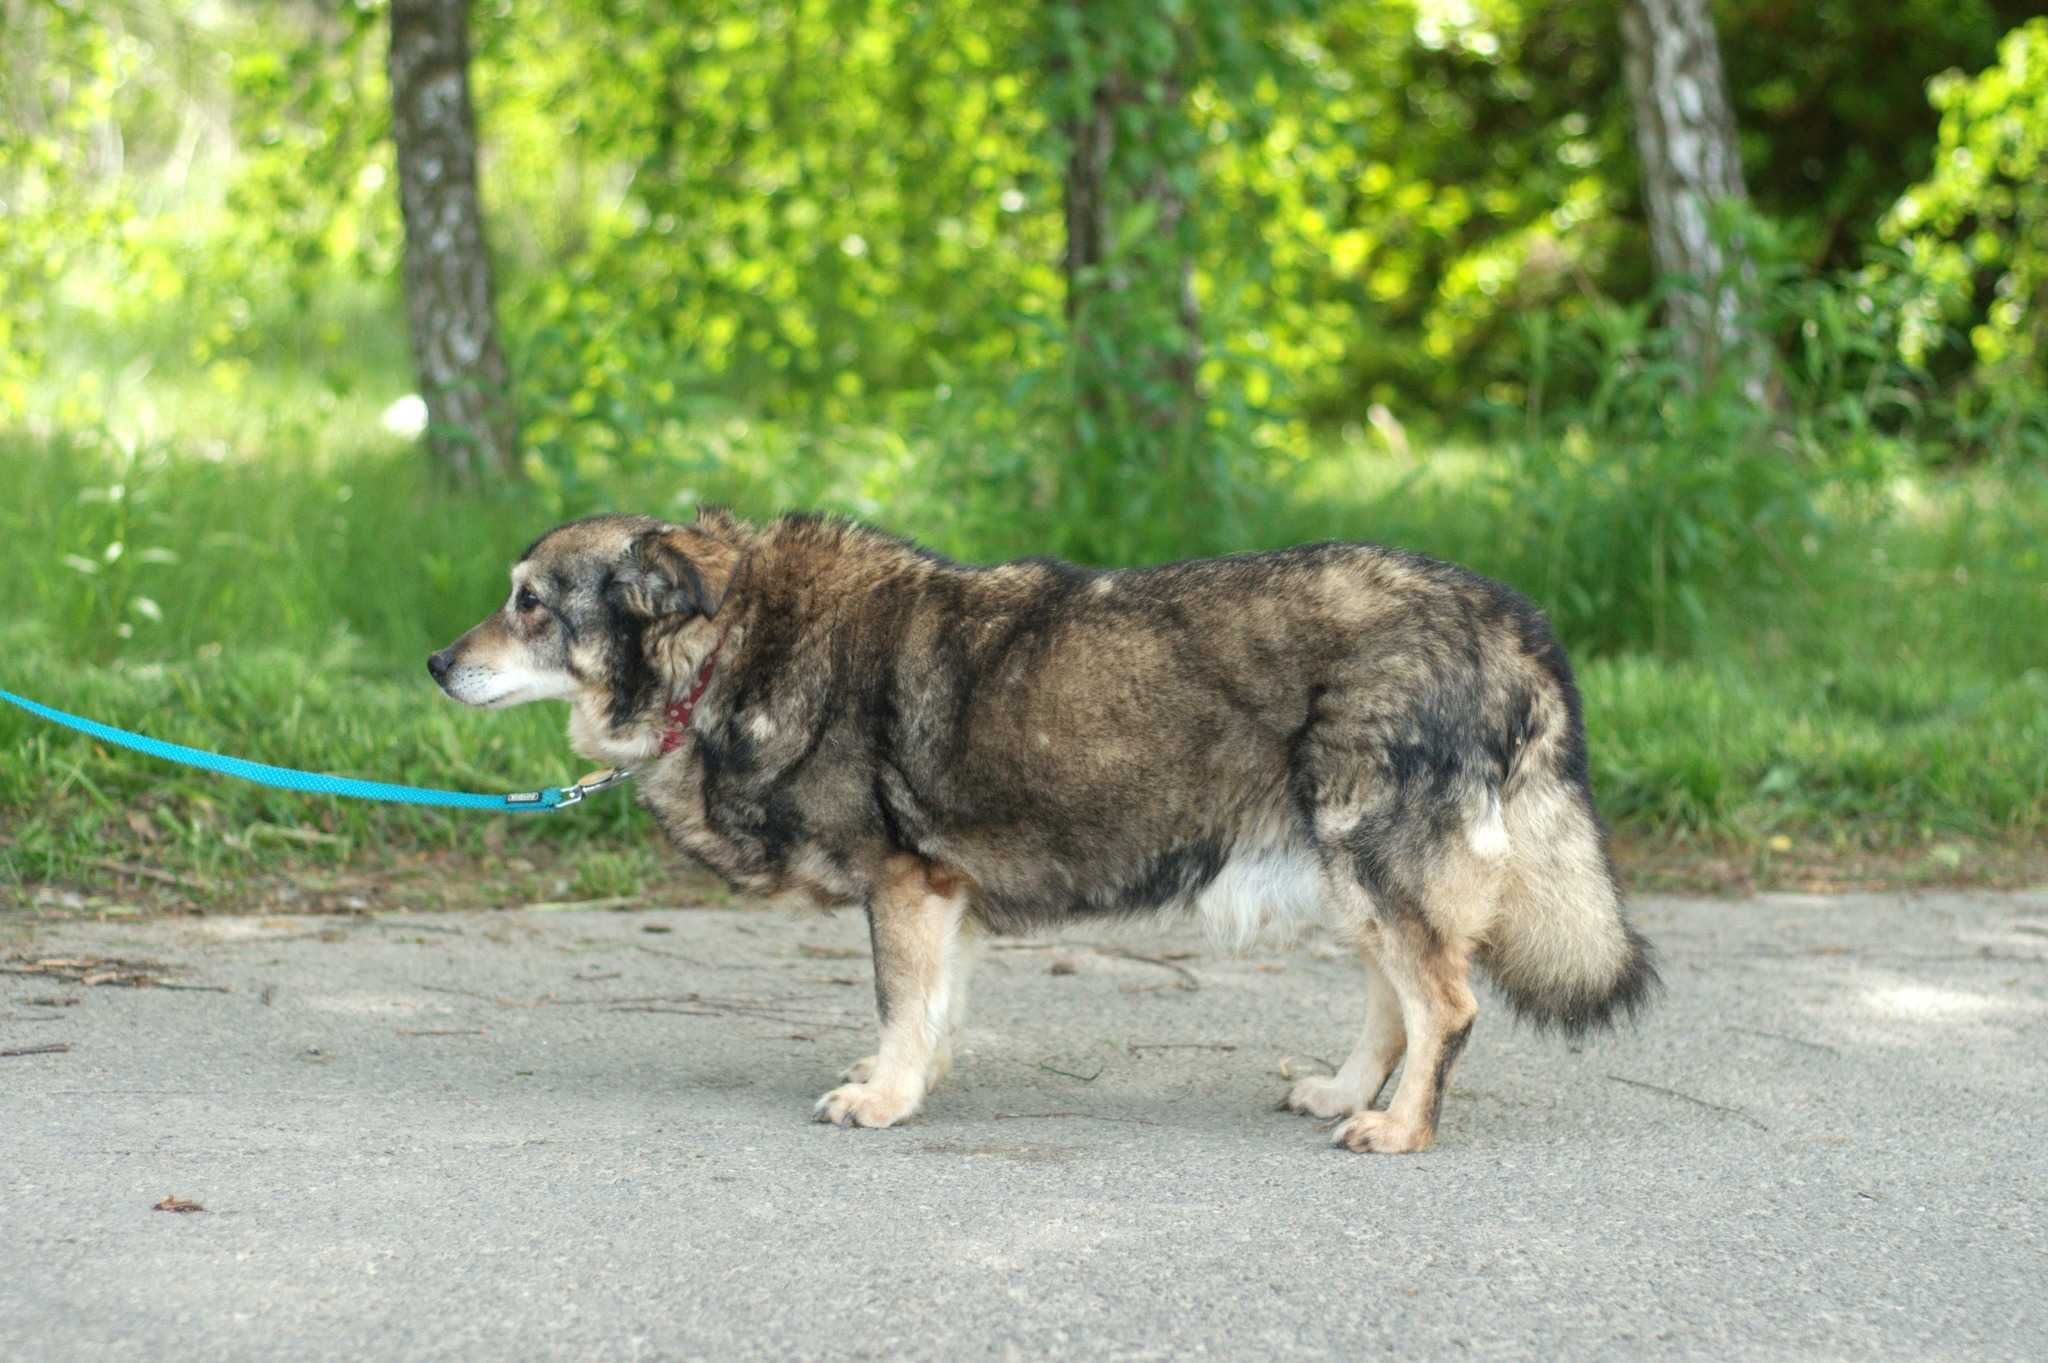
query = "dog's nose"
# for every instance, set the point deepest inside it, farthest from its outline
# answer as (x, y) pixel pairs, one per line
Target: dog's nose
(438, 664)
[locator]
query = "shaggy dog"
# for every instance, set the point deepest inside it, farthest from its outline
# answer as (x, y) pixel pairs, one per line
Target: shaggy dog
(1387, 741)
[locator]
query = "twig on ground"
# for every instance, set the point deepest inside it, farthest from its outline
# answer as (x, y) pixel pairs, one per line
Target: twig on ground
(1688, 1098)
(129, 868)
(666, 955)
(90, 970)
(705, 1008)
(1070, 1074)
(1793, 1040)
(53, 1048)
(543, 1001)
(1188, 979)
(1137, 1047)
(1084, 1116)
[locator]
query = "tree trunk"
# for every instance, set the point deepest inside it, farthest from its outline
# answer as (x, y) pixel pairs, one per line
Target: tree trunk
(1140, 307)
(1685, 135)
(448, 296)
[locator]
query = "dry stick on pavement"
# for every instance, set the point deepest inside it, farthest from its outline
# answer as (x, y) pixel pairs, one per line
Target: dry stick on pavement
(53, 1048)
(1070, 1074)
(1687, 1097)
(1187, 977)
(1781, 1036)
(701, 1010)
(95, 971)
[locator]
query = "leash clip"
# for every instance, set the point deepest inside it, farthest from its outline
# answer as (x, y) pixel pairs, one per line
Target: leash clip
(602, 779)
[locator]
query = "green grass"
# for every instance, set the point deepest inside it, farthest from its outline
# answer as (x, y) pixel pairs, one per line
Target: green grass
(290, 621)
(268, 586)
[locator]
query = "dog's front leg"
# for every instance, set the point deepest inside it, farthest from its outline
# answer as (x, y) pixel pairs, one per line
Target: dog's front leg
(914, 919)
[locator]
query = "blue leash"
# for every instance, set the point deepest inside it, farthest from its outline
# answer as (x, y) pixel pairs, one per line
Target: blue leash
(320, 783)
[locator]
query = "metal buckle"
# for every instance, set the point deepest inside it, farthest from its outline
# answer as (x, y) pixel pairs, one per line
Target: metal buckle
(602, 779)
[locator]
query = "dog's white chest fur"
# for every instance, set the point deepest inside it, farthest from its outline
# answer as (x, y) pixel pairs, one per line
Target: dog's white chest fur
(1257, 890)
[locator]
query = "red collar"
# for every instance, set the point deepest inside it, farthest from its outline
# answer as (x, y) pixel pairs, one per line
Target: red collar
(678, 713)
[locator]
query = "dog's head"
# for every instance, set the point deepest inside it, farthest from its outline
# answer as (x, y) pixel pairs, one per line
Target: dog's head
(604, 613)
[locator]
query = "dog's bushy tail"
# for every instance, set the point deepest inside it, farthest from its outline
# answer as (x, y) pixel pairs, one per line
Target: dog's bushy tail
(1559, 946)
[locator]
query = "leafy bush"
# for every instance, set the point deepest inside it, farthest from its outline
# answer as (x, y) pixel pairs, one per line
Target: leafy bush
(1974, 233)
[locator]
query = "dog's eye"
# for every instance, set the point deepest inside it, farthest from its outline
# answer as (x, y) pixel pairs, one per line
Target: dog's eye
(525, 601)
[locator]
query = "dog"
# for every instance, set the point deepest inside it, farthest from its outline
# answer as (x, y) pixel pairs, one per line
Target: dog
(1379, 739)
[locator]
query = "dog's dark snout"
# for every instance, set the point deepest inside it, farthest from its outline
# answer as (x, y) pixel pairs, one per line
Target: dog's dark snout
(439, 663)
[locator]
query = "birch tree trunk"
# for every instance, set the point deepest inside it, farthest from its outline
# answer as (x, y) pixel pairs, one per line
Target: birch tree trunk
(449, 302)
(1685, 135)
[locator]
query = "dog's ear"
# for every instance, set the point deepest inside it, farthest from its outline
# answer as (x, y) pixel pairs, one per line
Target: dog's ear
(673, 571)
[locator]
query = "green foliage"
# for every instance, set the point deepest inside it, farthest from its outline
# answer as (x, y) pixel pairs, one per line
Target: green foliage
(60, 71)
(818, 199)
(1828, 101)
(821, 207)
(1975, 231)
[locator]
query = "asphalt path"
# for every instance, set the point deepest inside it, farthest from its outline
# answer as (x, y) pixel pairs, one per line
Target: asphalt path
(586, 1136)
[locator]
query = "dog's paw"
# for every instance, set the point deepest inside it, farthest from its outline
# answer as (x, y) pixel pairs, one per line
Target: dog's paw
(1376, 1133)
(864, 1105)
(860, 1071)
(1322, 1096)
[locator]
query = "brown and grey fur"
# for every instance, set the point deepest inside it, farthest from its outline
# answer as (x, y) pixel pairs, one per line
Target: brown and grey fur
(1385, 740)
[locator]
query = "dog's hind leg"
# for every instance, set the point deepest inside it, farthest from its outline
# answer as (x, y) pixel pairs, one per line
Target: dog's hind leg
(1355, 1087)
(1429, 975)
(915, 917)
